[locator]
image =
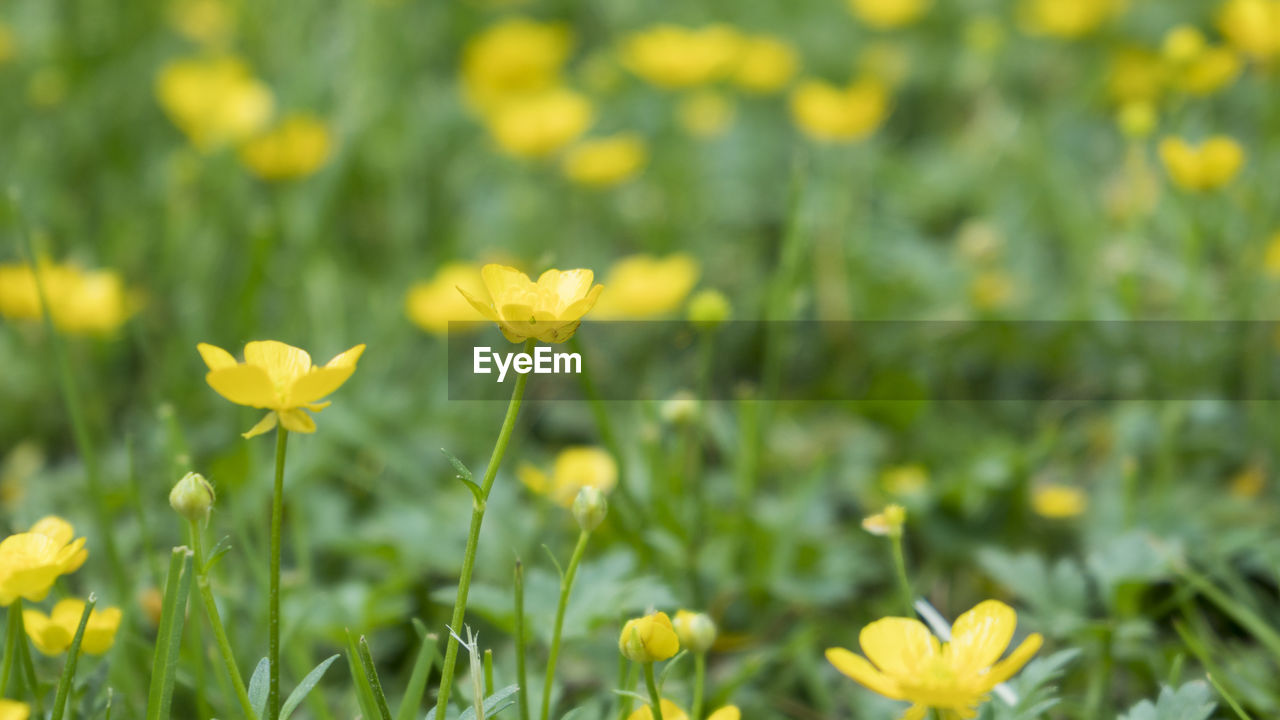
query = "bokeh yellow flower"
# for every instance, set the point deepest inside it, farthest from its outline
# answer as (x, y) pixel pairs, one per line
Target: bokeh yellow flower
(1207, 166)
(705, 113)
(839, 114)
(80, 301)
(8, 46)
(728, 712)
(1195, 66)
(888, 14)
(670, 56)
(1067, 18)
(1252, 27)
(1136, 75)
(649, 639)
(14, 710)
(208, 22)
(670, 711)
(1249, 482)
(214, 101)
(433, 303)
(709, 308)
(905, 480)
(887, 523)
(52, 634)
(1271, 256)
(539, 125)
(514, 58)
(296, 148)
(1137, 119)
(904, 661)
(992, 289)
(765, 64)
(601, 162)
(574, 469)
(550, 309)
(30, 562)
(646, 286)
(1056, 501)
(279, 378)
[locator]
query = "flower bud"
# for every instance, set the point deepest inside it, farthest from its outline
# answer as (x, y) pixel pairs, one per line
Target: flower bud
(589, 508)
(709, 308)
(696, 631)
(649, 639)
(887, 523)
(192, 497)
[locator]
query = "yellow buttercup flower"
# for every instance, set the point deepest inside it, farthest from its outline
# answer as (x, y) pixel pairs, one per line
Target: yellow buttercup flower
(888, 14)
(539, 125)
(433, 303)
(671, 56)
(279, 378)
(765, 64)
(606, 161)
(839, 114)
(705, 113)
(887, 523)
(1252, 27)
(214, 101)
(52, 634)
(30, 562)
(296, 148)
(514, 58)
(14, 710)
(209, 22)
(670, 711)
(1136, 75)
(1058, 501)
(1208, 166)
(904, 661)
(1271, 256)
(1196, 67)
(80, 301)
(574, 468)
(1067, 18)
(649, 639)
(550, 309)
(1137, 119)
(645, 286)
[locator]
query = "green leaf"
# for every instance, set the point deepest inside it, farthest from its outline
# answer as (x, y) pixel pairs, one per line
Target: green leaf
(259, 687)
(216, 553)
(494, 704)
(1193, 701)
(173, 614)
(73, 655)
(300, 693)
(364, 693)
(464, 474)
(417, 687)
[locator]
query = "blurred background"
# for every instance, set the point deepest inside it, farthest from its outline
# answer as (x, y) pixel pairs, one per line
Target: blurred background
(327, 174)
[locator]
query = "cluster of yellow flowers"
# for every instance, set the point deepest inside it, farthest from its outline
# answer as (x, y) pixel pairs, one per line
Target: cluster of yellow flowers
(574, 468)
(80, 301)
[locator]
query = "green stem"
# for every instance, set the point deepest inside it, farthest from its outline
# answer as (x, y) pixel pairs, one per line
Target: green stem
(904, 584)
(273, 608)
(215, 621)
(699, 681)
(522, 696)
(655, 701)
(69, 668)
(473, 539)
(11, 640)
(566, 585)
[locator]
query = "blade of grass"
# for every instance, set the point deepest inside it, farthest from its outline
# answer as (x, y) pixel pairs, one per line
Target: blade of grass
(73, 655)
(375, 685)
(417, 688)
(172, 615)
(364, 693)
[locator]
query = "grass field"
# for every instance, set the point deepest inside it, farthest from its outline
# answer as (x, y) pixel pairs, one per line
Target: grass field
(770, 193)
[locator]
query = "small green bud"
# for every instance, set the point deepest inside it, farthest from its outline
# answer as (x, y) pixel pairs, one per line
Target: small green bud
(192, 497)
(709, 308)
(589, 508)
(697, 631)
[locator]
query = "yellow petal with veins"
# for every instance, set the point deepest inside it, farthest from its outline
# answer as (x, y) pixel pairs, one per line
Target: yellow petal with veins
(980, 636)
(856, 667)
(244, 385)
(283, 362)
(215, 357)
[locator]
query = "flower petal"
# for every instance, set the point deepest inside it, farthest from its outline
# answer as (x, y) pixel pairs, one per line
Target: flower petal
(900, 647)
(54, 528)
(915, 712)
(266, 424)
(485, 309)
(244, 385)
(728, 712)
(568, 286)
(1006, 668)
(980, 636)
(284, 363)
(856, 667)
(215, 357)
(296, 420)
(316, 384)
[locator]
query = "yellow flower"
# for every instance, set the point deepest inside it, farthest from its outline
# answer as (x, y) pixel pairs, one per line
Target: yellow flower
(992, 290)
(8, 47)
(606, 161)
(888, 14)
(765, 64)
(214, 101)
(1067, 18)
(830, 113)
(1058, 501)
(80, 301)
(728, 712)
(644, 286)
(671, 56)
(296, 148)
(52, 634)
(705, 113)
(1195, 66)
(904, 661)
(887, 523)
(574, 469)
(277, 377)
(30, 562)
(1208, 166)
(433, 303)
(550, 309)
(905, 480)
(513, 58)
(14, 710)
(670, 711)
(697, 631)
(1271, 257)
(209, 22)
(539, 125)
(1136, 75)
(649, 639)
(1249, 482)
(1252, 27)
(1137, 119)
